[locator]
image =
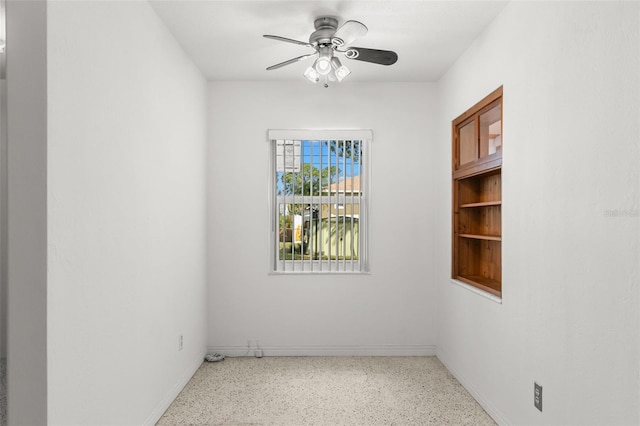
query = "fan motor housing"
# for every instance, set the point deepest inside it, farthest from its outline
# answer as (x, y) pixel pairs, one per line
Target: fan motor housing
(325, 28)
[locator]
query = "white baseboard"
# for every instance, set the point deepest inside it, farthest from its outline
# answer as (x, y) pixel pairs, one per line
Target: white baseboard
(493, 412)
(356, 350)
(173, 393)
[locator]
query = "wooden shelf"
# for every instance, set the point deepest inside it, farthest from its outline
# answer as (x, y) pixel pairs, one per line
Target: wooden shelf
(483, 204)
(481, 237)
(486, 284)
(492, 162)
(482, 188)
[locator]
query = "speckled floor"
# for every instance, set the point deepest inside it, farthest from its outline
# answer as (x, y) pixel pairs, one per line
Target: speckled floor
(325, 391)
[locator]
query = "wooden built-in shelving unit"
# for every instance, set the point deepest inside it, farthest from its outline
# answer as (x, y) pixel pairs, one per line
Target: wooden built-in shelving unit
(477, 195)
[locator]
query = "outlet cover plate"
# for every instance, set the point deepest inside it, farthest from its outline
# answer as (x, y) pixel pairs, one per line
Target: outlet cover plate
(537, 396)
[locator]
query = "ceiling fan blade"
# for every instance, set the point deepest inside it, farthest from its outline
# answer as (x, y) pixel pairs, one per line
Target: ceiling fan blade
(288, 40)
(349, 32)
(382, 57)
(290, 61)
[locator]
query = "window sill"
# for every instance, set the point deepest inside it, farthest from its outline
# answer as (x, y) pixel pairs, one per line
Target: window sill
(477, 291)
(319, 273)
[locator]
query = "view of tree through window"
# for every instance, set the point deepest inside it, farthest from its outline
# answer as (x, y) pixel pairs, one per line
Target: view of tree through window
(318, 196)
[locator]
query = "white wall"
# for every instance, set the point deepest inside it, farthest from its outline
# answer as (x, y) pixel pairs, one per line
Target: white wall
(390, 311)
(570, 312)
(3, 185)
(3, 188)
(3, 218)
(27, 213)
(126, 222)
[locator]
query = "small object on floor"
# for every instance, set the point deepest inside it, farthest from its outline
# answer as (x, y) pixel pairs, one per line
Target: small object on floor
(214, 357)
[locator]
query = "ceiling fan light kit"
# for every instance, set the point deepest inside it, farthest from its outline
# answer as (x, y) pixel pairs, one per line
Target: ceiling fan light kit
(312, 75)
(327, 41)
(340, 70)
(323, 63)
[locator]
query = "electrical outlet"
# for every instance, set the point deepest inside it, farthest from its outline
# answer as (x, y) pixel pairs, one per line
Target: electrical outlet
(180, 342)
(537, 396)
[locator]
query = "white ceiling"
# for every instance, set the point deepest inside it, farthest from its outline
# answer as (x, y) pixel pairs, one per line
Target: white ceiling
(224, 38)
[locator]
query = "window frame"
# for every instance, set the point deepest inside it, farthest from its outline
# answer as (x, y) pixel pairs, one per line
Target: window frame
(320, 266)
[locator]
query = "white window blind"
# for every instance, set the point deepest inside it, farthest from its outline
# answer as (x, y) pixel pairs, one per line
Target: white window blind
(319, 187)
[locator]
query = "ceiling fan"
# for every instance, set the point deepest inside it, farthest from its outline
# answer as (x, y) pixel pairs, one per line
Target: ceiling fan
(328, 40)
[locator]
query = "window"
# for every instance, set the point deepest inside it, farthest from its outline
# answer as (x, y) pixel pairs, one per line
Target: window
(477, 195)
(319, 187)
